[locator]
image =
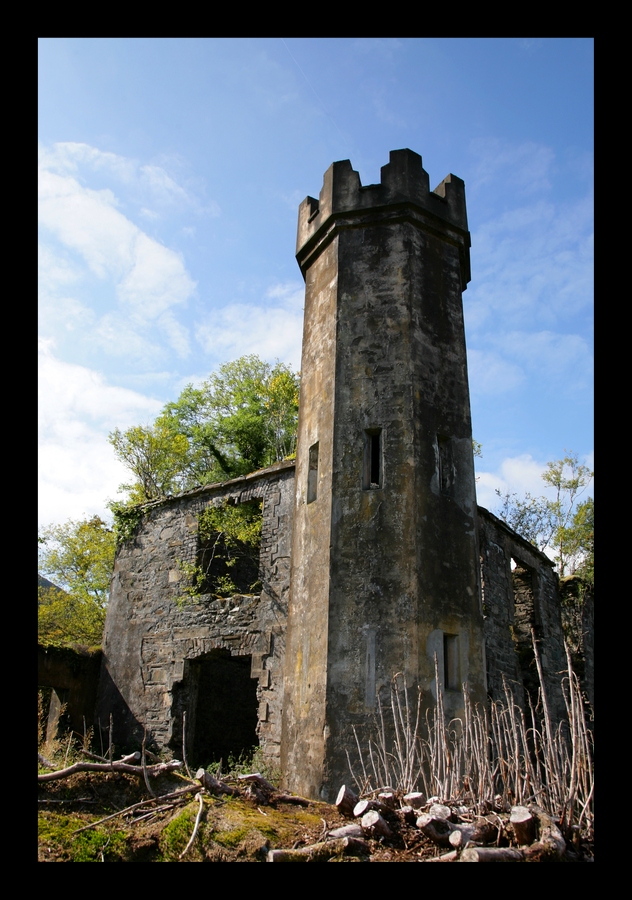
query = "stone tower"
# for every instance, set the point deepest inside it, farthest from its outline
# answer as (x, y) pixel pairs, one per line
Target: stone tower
(384, 548)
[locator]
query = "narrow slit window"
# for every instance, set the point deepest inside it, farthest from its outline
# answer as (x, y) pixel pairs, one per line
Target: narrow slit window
(372, 459)
(312, 475)
(451, 678)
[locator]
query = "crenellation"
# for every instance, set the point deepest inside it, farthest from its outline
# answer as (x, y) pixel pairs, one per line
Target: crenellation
(404, 184)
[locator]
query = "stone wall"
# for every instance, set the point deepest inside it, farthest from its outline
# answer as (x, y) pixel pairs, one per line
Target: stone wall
(155, 649)
(74, 675)
(517, 598)
(162, 659)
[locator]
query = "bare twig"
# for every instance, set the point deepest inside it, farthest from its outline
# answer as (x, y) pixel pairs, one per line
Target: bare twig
(144, 765)
(491, 755)
(198, 797)
(184, 743)
(121, 812)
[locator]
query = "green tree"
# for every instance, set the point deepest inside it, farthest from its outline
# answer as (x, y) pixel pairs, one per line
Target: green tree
(242, 418)
(579, 539)
(561, 523)
(228, 560)
(157, 455)
(78, 558)
(569, 480)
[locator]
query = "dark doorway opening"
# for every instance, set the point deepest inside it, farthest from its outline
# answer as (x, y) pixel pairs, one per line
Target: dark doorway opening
(225, 719)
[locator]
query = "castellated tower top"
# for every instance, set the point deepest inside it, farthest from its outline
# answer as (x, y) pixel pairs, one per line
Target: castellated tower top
(403, 193)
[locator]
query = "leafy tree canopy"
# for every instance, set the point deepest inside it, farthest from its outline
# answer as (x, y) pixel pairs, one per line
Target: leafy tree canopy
(563, 523)
(243, 417)
(77, 558)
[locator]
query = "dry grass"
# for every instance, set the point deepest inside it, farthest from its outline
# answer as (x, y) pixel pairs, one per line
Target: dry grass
(495, 753)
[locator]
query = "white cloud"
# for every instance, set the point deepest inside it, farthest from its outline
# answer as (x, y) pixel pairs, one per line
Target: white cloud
(177, 335)
(115, 333)
(156, 281)
(489, 373)
(77, 409)
(525, 167)
(162, 185)
(67, 156)
(550, 354)
(385, 47)
(271, 330)
(290, 293)
(532, 266)
(87, 222)
(517, 475)
(151, 181)
(86, 235)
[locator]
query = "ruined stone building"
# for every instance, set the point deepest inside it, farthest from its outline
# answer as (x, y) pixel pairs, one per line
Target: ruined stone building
(374, 557)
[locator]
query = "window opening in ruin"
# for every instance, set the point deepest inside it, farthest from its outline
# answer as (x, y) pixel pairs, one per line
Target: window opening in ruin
(312, 475)
(451, 679)
(525, 619)
(220, 700)
(372, 475)
(229, 544)
(446, 464)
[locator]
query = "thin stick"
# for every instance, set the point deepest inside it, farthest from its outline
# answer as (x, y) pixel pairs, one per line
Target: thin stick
(153, 812)
(144, 765)
(198, 797)
(67, 749)
(184, 742)
(122, 812)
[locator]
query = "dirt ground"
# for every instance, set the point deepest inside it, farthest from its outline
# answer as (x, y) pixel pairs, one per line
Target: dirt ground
(231, 829)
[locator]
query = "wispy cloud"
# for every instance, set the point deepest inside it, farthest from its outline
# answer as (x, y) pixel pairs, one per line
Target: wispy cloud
(490, 373)
(147, 185)
(85, 235)
(385, 47)
(549, 354)
(533, 265)
(516, 475)
(76, 410)
(530, 44)
(524, 168)
(272, 329)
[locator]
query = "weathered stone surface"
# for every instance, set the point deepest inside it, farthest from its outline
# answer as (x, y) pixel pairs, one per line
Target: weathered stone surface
(384, 553)
(153, 647)
(514, 602)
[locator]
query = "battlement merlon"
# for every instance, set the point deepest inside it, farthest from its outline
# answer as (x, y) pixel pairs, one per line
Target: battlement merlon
(403, 183)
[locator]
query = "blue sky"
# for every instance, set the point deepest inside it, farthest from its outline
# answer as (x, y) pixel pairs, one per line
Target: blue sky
(170, 175)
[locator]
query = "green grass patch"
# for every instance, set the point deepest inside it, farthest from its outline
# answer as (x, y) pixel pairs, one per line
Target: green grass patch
(100, 844)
